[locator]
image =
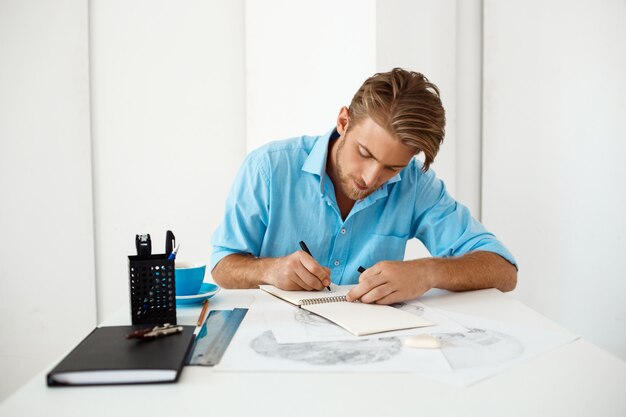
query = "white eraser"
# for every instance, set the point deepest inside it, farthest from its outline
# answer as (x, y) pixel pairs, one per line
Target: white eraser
(422, 341)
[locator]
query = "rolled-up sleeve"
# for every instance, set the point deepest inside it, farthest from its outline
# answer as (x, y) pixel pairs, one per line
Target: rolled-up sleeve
(446, 227)
(246, 213)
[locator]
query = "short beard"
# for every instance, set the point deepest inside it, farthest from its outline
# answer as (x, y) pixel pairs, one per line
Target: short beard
(345, 182)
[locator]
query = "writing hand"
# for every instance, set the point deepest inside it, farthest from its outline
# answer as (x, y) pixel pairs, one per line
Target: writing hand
(299, 271)
(390, 282)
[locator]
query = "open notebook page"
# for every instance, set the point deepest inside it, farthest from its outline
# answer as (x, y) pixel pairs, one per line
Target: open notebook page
(363, 319)
(358, 318)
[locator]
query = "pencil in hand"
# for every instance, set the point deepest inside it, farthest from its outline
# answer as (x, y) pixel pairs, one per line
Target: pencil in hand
(306, 249)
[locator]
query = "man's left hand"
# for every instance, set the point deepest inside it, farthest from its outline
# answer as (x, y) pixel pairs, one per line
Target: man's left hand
(390, 282)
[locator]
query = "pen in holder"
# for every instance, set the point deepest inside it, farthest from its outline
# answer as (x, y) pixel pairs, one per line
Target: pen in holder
(152, 289)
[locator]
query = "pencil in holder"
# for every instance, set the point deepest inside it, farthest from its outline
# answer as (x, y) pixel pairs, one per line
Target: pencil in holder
(152, 289)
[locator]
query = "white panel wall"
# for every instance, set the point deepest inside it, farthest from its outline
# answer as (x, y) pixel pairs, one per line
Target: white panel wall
(554, 157)
(304, 61)
(168, 127)
(47, 284)
(468, 127)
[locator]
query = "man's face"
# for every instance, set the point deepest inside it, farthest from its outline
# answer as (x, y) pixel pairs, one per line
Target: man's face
(368, 156)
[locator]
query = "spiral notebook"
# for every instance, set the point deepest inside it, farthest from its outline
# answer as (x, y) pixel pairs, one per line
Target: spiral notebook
(358, 318)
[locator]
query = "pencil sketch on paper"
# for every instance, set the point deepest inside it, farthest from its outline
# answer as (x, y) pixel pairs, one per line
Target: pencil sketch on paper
(478, 348)
(346, 352)
(418, 310)
(313, 326)
(310, 319)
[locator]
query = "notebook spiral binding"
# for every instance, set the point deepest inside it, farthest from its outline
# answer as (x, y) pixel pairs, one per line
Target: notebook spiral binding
(335, 299)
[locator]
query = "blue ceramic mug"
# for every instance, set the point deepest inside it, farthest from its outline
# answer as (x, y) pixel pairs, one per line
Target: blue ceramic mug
(189, 277)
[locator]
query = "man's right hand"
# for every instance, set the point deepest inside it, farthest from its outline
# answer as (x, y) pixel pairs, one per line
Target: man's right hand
(298, 271)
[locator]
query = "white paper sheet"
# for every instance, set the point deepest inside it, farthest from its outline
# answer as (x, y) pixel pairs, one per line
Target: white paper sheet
(488, 347)
(254, 348)
(478, 350)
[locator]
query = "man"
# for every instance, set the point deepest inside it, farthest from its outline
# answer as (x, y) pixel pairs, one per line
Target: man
(355, 196)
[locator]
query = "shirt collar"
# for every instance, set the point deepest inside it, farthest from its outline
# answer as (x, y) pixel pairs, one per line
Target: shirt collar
(315, 163)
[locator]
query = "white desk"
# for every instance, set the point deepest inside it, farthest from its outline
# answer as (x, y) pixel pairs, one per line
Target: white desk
(578, 379)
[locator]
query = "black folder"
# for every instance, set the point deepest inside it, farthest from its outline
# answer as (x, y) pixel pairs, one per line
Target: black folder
(106, 357)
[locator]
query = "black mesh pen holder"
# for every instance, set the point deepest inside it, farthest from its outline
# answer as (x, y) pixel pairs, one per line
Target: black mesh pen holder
(152, 289)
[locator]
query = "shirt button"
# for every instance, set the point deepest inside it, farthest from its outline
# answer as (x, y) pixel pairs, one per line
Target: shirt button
(337, 262)
(343, 230)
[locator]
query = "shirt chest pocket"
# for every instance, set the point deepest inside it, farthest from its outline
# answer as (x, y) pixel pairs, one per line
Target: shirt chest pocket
(383, 248)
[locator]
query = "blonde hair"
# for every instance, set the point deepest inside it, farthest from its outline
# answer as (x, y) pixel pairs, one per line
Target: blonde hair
(407, 106)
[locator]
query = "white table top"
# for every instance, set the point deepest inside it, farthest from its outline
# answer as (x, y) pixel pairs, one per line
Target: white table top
(578, 379)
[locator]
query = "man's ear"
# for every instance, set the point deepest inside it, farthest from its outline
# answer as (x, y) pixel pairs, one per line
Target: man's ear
(342, 120)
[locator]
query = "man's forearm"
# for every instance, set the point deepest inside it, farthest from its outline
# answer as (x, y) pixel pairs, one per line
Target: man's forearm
(473, 271)
(241, 271)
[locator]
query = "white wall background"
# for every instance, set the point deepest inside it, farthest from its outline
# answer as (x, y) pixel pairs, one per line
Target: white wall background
(304, 61)
(554, 157)
(47, 283)
(168, 99)
(181, 90)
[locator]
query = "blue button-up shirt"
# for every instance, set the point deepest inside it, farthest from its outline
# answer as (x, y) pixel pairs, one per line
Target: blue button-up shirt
(282, 195)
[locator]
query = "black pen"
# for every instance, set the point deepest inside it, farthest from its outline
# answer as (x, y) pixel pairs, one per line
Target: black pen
(361, 270)
(306, 249)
